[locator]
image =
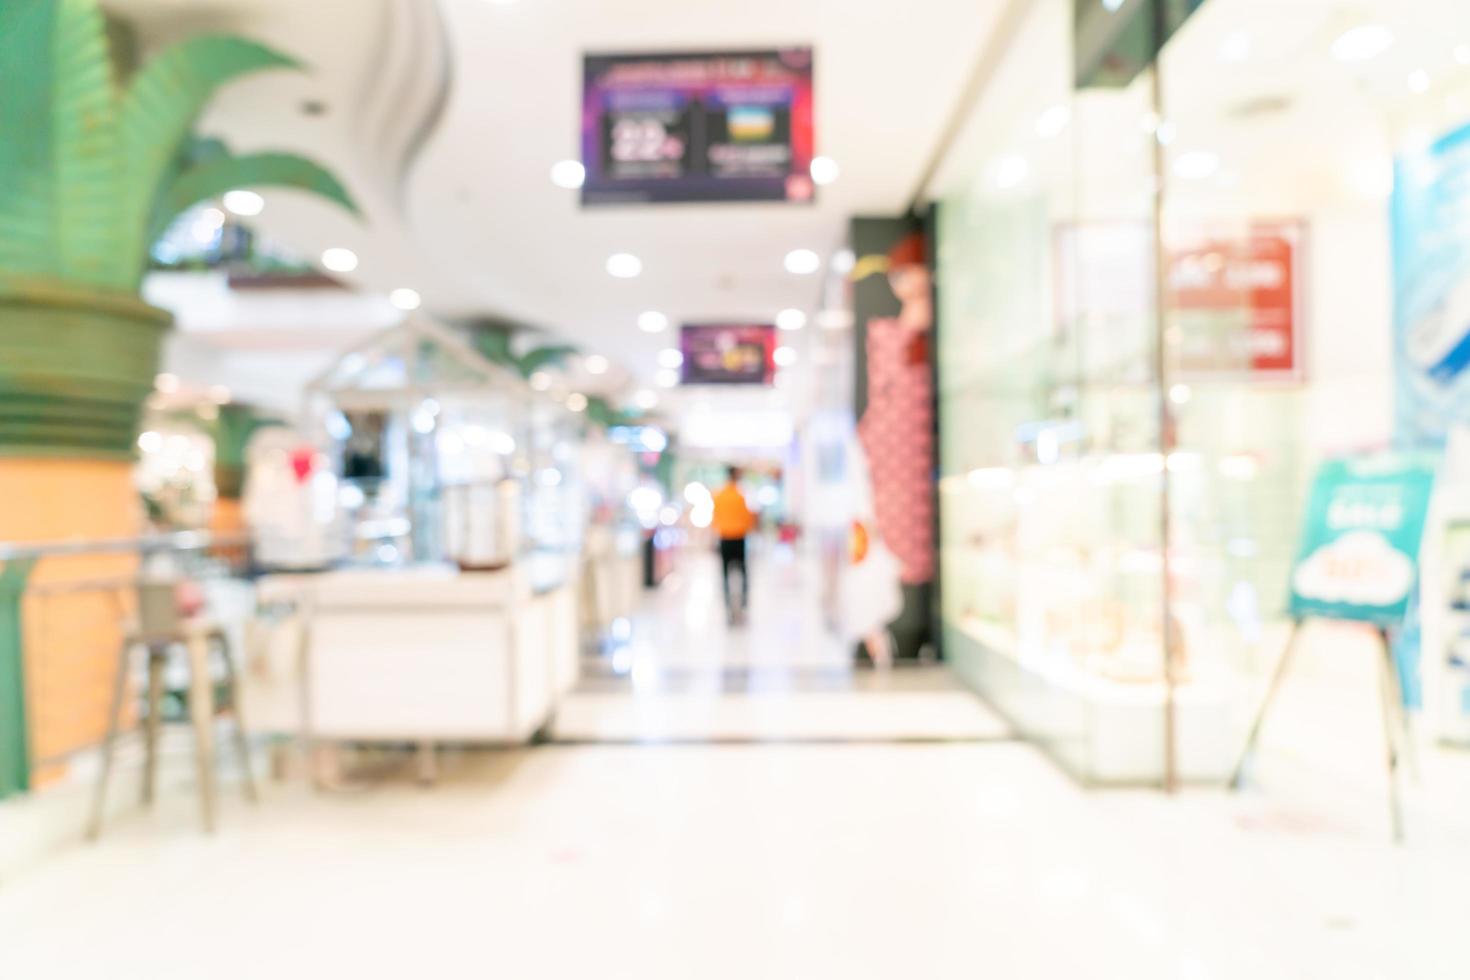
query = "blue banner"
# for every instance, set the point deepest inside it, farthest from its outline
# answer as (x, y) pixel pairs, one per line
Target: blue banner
(1431, 252)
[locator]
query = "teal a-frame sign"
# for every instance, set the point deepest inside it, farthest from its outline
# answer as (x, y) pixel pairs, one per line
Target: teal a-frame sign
(1359, 557)
(1359, 562)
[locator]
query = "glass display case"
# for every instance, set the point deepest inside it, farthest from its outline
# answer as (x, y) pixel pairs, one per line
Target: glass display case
(1166, 295)
(445, 456)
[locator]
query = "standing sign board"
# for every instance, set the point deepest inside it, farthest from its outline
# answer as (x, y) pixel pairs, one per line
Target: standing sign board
(1359, 562)
(723, 126)
(1359, 556)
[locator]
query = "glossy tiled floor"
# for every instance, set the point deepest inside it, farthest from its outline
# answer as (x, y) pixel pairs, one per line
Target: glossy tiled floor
(798, 858)
(682, 674)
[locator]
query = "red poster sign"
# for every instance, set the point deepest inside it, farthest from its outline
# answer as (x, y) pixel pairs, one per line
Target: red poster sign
(1235, 303)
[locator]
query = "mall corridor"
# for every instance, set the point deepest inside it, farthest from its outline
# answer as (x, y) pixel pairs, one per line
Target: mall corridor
(391, 390)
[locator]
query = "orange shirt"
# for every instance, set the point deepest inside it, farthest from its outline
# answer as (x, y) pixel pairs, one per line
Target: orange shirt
(733, 518)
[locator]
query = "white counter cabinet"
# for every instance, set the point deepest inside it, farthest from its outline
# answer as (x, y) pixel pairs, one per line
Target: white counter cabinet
(425, 654)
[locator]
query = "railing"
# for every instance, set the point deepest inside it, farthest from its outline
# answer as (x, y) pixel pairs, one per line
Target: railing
(63, 605)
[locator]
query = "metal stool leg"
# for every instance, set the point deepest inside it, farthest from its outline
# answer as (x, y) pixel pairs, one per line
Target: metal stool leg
(99, 801)
(242, 739)
(152, 724)
(201, 709)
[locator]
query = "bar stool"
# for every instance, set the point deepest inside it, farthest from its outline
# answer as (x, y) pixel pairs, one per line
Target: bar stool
(161, 630)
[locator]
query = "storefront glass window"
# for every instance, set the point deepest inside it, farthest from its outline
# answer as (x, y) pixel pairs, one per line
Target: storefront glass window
(1245, 192)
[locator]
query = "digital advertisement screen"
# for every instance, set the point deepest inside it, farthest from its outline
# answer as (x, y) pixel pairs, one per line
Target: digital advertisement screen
(731, 126)
(728, 353)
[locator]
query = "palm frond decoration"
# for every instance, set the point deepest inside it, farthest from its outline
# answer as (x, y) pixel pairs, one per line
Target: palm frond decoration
(91, 176)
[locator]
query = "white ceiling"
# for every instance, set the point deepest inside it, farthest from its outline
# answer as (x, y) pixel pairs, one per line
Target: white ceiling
(482, 230)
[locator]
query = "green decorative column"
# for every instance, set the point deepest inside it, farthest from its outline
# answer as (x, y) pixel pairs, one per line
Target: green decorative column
(15, 774)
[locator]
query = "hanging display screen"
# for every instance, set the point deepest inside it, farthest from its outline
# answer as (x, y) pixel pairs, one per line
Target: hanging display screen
(728, 353)
(731, 126)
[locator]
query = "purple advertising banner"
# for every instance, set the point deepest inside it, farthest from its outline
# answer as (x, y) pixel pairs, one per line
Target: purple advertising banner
(721, 126)
(728, 353)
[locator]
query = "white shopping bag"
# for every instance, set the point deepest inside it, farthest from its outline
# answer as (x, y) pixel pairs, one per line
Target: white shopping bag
(869, 589)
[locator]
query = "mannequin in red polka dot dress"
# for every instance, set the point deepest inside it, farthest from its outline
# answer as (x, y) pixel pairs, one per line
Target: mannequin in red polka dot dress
(897, 430)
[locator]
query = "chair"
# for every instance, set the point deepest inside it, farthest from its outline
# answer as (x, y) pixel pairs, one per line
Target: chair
(161, 630)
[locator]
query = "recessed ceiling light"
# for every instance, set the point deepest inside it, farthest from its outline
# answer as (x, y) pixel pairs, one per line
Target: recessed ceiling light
(1419, 81)
(595, 364)
(1051, 122)
(802, 262)
(843, 261)
(1196, 165)
(645, 398)
(1010, 171)
(792, 319)
(1362, 43)
(1236, 47)
(405, 298)
(339, 259)
(824, 170)
(568, 173)
(666, 378)
(1112, 6)
(785, 356)
(247, 204)
(624, 265)
(836, 319)
(577, 401)
(540, 380)
(652, 321)
(1462, 53)
(670, 357)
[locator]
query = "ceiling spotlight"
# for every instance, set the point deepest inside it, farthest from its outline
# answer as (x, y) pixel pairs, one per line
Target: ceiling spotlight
(540, 380)
(568, 173)
(645, 399)
(1419, 81)
(666, 378)
(785, 356)
(1196, 165)
(595, 364)
(670, 357)
(1010, 171)
(802, 262)
(1050, 123)
(405, 298)
(824, 170)
(836, 319)
(577, 401)
(622, 265)
(652, 321)
(843, 261)
(1236, 47)
(791, 319)
(339, 259)
(1363, 43)
(246, 204)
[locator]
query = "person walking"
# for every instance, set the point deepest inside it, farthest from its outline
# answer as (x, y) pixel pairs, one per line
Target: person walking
(733, 522)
